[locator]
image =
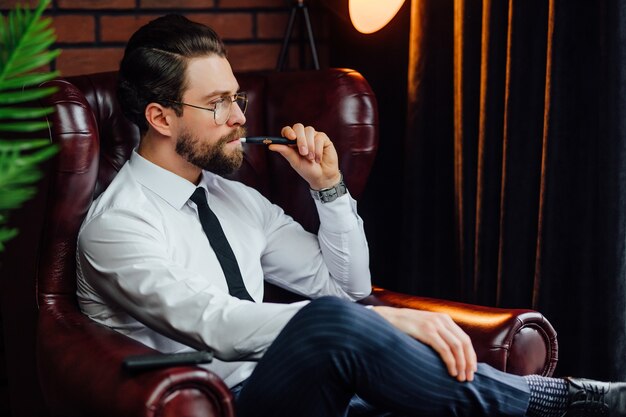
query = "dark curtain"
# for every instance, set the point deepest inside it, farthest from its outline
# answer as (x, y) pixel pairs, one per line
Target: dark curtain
(516, 166)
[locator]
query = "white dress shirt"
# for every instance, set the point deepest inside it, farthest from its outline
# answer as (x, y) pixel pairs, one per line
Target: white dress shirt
(146, 269)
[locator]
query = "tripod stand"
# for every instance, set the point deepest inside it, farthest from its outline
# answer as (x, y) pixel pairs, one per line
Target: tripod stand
(298, 5)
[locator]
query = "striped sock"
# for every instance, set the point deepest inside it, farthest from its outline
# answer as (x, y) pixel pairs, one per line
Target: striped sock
(548, 396)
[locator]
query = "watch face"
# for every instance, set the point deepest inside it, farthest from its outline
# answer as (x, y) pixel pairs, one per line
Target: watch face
(326, 196)
(330, 194)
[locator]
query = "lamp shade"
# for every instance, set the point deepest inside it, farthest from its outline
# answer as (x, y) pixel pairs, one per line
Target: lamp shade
(369, 16)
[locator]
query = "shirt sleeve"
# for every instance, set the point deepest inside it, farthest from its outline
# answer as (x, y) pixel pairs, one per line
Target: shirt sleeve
(333, 262)
(123, 256)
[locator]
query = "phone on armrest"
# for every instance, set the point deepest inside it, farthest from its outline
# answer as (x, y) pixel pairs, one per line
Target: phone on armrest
(137, 363)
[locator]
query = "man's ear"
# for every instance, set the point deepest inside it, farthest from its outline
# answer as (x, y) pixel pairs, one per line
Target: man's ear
(159, 118)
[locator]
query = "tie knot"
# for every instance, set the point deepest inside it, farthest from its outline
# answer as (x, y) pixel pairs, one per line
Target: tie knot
(199, 197)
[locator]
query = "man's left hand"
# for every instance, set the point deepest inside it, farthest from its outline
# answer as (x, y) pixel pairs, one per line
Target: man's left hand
(314, 157)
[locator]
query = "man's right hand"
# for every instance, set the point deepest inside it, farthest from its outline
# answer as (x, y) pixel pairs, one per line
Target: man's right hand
(438, 331)
(314, 158)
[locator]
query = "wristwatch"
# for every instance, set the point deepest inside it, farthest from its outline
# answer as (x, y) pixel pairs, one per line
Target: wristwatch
(326, 195)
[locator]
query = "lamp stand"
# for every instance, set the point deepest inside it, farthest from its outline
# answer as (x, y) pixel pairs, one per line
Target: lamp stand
(298, 5)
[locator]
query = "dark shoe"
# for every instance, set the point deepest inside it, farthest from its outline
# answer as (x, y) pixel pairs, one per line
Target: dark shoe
(587, 397)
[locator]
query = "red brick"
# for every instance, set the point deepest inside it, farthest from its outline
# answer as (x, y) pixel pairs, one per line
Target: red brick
(87, 60)
(10, 4)
(74, 28)
(171, 4)
(252, 3)
(273, 25)
(253, 57)
(96, 4)
(120, 28)
(227, 25)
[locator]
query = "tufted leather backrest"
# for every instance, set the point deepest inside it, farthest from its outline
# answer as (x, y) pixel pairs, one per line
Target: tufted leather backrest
(96, 140)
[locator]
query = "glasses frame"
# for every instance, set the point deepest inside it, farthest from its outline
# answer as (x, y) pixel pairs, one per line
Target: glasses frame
(233, 98)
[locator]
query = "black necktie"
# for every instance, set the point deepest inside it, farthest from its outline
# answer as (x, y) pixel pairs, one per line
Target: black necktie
(220, 245)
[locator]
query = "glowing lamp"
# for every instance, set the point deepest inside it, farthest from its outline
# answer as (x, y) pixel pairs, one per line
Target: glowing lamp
(369, 16)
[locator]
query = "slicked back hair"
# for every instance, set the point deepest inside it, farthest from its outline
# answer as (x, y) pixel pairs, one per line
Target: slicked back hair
(155, 62)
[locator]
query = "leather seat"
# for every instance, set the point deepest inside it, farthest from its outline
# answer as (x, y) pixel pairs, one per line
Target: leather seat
(78, 362)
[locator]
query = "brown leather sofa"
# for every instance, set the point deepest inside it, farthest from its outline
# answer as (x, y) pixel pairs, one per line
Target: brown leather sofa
(77, 363)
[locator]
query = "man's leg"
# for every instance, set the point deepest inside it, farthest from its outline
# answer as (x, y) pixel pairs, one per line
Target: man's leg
(333, 349)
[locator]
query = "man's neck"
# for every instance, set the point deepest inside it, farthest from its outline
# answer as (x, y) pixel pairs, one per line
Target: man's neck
(162, 152)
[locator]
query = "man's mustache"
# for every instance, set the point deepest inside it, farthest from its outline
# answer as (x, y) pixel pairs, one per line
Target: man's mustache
(239, 132)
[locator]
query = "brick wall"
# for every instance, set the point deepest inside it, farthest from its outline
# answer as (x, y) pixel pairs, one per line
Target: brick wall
(92, 33)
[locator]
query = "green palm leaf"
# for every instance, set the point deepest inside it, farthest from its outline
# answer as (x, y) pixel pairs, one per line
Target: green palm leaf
(25, 39)
(14, 97)
(24, 112)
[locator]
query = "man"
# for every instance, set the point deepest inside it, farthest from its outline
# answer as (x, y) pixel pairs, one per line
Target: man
(174, 256)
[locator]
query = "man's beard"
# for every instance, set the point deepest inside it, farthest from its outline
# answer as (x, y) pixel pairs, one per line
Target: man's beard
(211, 157)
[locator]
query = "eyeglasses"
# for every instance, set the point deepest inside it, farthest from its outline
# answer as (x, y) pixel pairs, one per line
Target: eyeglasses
(222, 107)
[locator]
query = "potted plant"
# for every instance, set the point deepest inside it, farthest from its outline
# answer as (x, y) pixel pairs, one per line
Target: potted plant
(25, 41)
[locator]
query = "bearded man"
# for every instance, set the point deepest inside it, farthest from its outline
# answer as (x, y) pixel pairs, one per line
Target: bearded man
(174, 255)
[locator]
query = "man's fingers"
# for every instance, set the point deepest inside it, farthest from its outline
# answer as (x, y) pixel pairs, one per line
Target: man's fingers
(457, 349)
(470, 357)
(310, 143)
(473, 363)
(317, 158)
(296, 132)
(320, 143)
(290, 154)
(469, 354)
(309, 133)
(303, 147)
(441, 333)
(288, 132)
(437, 342)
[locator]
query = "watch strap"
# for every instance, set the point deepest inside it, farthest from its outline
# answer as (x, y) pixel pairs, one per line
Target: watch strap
(327, 195)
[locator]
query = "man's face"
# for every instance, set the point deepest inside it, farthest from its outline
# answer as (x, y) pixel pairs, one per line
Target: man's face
(200, 141)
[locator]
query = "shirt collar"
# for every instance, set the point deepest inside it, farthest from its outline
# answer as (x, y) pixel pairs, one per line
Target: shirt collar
(172, 188)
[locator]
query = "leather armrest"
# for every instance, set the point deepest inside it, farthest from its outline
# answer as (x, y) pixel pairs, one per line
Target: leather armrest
(79, 363)
(516, 341)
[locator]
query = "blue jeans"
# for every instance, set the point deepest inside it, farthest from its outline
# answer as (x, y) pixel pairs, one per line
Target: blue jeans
(333, 350)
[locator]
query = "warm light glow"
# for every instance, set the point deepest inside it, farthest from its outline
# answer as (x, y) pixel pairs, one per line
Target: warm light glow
(368, 16)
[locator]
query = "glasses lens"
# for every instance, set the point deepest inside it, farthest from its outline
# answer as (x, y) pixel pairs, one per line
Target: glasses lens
(223, 108)
(242, 101)
(222, 111)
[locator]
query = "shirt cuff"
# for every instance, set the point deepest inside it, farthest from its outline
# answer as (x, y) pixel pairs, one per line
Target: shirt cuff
(339, 216)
